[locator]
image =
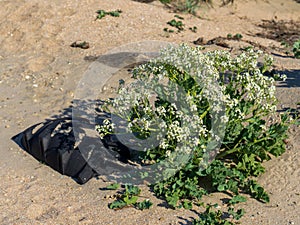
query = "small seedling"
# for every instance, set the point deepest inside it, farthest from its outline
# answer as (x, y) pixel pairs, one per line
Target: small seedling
(296, 49)
(117, 204)
(229, 36)
(236, 37)
(168, 30)
(236, 214)
(179, 17)
(115, 13)
(176, 23)
(129, 198)
(210, 216)
(113, 186)
(83, 45)
(187, 6)
(284, 44)
(193, 29)
(146, 204)
(102, 13)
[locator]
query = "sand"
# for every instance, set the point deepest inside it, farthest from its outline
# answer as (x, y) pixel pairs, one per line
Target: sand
(39, 74)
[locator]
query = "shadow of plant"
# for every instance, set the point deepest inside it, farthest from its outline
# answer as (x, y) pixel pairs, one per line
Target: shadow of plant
(293, 79)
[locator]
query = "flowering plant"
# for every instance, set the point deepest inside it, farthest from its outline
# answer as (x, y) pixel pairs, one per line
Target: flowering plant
(211, 113)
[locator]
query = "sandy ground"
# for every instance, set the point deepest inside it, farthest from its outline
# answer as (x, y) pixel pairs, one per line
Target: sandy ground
(39, 73)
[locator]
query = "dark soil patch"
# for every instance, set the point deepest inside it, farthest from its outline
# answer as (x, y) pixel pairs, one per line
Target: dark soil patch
(224, 42)
(282, 31)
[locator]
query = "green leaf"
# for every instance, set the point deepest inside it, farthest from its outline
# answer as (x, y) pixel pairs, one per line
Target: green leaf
(232, 185)
(237, 199)
(187, 204)
(238, 36)
(115, 13)
(130, 200)
(256, 191)
(222, 187)
(173, 200)
(113, 186)
(101, 14)
(178, 24)
(296, 49)
(146, 204)
(236, 214)
(210, 217)
(229, 36)
(132, 190)
(179, 17)
(117, 204)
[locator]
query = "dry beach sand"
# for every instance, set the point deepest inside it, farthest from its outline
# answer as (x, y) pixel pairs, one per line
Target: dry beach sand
(39, 72)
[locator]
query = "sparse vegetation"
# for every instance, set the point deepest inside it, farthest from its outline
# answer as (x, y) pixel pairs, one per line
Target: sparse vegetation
(190, 6)
(292, 50)
(187, 6)
(102, 13)
(296, 49)
(236, 37)
(129, 198)
(177, 24)
(193, 29)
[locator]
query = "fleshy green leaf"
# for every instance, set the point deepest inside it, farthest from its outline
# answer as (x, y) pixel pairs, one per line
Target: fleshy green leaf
(146, 204)
(113, 186)
(117, 204)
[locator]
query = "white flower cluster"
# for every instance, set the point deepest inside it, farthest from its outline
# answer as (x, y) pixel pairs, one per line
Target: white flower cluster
(257, 87)
(246, 78)
(179, 120)
(155, 102)
(106, 128)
